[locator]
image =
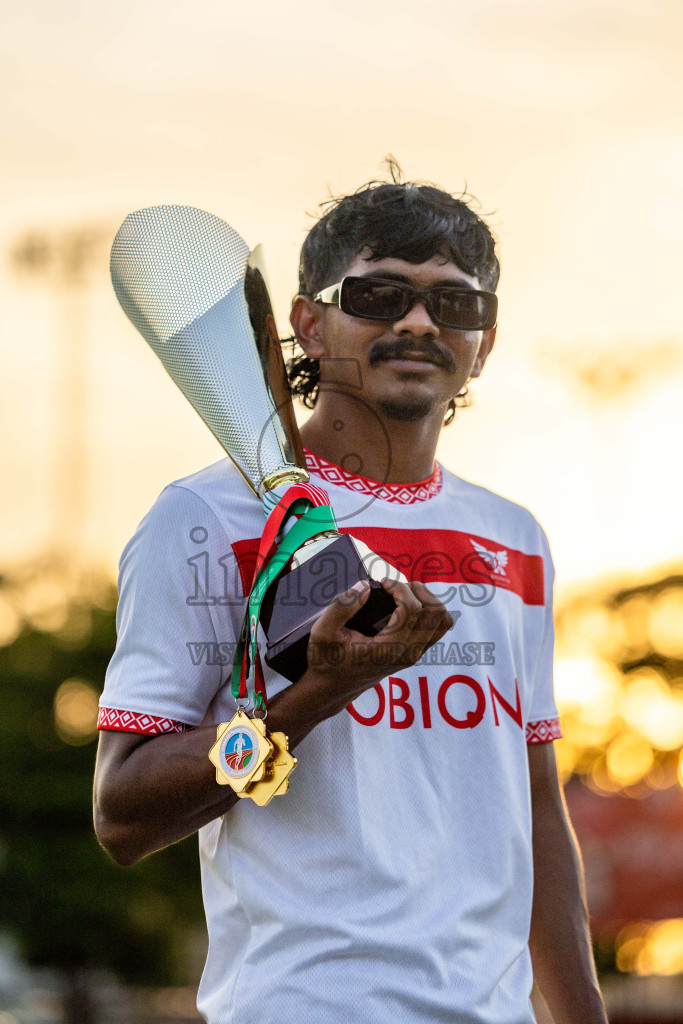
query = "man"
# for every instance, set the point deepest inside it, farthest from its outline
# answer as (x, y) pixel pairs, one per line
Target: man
(422, 859)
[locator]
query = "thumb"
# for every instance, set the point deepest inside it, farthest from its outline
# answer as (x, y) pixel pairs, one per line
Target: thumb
(343, 608)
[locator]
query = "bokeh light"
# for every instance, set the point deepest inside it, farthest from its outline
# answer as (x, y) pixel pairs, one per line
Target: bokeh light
(587, 692)
(628, 759)
(651, 709)
(665, 622)
(634, 615)
(651, 947)
(593, 629)
(619, 687)
(75, 711)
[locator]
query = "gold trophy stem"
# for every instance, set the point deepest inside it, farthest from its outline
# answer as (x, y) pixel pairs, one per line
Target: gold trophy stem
(288, 475)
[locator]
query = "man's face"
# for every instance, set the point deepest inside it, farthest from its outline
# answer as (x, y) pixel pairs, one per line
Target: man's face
(411, 367)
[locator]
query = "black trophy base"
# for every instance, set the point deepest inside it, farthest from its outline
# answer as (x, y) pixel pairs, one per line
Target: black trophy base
(296, 600)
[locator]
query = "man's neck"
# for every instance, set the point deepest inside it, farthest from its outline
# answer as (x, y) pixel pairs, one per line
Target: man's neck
(378, 448)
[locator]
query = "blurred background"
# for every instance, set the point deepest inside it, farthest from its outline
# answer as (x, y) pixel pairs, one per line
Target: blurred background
(563, 118)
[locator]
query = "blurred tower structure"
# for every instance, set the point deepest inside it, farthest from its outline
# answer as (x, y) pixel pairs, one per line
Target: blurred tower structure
(66, 261)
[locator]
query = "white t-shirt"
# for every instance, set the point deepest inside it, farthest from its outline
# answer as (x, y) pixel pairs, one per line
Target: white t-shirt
(393, 883)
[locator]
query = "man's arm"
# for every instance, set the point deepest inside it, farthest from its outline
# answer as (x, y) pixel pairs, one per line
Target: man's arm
(153, 791)
(541, 1011)
(560, 942)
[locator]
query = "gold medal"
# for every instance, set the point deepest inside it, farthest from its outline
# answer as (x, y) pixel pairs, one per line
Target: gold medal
(279, 767)
(258, 723)
(240, 751)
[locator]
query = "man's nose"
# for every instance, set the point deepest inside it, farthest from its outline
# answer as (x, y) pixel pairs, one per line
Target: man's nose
(417, 321)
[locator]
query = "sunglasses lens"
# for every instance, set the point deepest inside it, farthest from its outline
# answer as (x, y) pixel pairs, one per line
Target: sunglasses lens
(373, 300)
(457, 307)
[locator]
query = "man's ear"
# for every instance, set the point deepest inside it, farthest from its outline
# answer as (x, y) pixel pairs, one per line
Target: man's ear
(305, 318)
(487, 341)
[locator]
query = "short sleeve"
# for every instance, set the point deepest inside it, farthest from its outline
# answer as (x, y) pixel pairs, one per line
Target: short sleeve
(543, 723)
(175, 632)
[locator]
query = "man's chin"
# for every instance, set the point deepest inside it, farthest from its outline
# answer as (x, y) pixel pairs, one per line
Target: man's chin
(407, 409)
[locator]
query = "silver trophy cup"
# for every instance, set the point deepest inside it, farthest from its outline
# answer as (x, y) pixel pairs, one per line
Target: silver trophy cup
(189, 284)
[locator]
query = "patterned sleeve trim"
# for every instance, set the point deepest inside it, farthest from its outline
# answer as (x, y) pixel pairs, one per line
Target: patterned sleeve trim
(115, 720)
(543, 731)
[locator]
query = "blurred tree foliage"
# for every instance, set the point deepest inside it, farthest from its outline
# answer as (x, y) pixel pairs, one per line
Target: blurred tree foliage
(619, 685)
(67, 904)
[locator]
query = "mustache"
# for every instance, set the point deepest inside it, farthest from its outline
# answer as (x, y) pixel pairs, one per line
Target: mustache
(397, 348)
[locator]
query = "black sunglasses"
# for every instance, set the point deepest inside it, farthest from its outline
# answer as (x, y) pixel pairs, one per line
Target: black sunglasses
(374, 298)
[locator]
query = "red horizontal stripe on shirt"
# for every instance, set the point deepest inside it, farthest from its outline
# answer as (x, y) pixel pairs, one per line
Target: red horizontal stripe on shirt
(431, 556)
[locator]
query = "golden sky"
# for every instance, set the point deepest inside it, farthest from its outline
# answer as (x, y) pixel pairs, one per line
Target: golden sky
(563, 118)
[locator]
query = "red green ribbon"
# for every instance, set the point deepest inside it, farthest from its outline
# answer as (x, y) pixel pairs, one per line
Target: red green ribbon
(315, 516)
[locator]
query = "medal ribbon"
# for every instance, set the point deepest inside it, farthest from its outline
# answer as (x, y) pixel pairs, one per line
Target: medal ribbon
(311, 505)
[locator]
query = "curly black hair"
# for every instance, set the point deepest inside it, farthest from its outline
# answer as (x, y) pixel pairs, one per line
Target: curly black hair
(412, 221)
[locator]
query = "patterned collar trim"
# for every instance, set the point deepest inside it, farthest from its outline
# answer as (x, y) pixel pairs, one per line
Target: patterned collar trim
(399, 494)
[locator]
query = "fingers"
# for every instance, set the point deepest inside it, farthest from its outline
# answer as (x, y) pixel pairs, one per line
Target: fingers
(408, 607)
(418, 612)
(338, 613)
(418, 621)
(434, 619)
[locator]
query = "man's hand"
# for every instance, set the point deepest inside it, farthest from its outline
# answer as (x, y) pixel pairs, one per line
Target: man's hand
(151, 791)
(344, 663)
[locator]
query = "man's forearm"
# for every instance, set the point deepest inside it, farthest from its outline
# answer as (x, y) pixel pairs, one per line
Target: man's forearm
(560, 941)
(152, 792)
(541, 1011)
